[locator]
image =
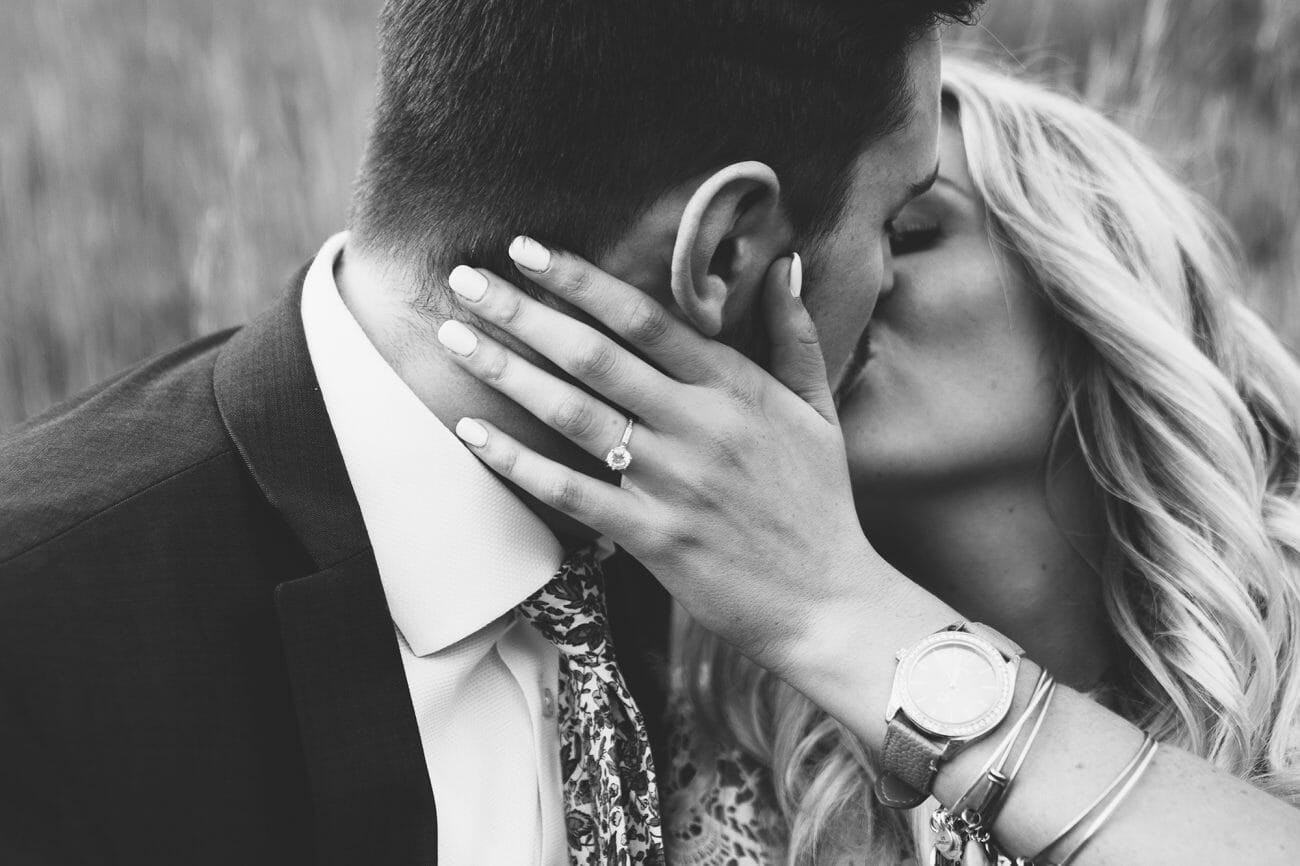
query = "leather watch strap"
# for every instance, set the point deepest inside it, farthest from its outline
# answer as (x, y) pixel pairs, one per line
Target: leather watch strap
(1001, 642)
(908, 765)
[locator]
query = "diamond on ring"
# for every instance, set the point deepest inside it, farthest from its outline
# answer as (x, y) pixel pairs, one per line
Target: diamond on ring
(619, 458)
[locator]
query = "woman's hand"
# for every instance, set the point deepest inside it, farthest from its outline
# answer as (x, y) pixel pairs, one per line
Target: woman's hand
(737, 497)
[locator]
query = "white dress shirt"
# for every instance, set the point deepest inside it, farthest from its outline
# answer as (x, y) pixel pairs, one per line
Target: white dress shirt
(456, 553)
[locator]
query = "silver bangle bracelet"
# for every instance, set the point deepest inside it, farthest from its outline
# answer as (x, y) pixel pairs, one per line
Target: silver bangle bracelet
(1114, 794)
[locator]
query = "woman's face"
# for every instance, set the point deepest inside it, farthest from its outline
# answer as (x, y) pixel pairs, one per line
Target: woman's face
(958, 384)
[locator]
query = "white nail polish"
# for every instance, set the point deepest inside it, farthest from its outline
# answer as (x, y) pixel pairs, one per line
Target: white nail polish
(468, 283)
(796, 276)
(471, 432)
(529, 254)
(457, 338)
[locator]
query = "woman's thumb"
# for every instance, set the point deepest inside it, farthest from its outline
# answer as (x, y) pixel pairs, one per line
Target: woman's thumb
(796, 359)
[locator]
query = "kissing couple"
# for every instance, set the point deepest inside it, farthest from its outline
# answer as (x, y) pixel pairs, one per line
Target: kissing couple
(728, 432)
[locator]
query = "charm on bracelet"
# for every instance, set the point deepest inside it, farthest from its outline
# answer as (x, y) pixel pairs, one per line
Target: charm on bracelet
(961, 841)
(949, 844)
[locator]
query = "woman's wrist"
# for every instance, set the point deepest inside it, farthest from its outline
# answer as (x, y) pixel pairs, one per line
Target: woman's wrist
(845, 660)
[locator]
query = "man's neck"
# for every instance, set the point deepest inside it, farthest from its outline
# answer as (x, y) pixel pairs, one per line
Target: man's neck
(1002, 555)
(378, 297)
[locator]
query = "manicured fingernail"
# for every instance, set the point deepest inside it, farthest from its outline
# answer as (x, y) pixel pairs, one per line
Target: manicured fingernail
(471, 432)
(796, 276)
(457, 337)
(529, 254)
(468, 283)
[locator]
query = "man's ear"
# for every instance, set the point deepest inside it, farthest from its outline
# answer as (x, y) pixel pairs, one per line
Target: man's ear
(731, 231)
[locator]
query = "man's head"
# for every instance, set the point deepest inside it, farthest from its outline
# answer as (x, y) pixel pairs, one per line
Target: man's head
(568, 120)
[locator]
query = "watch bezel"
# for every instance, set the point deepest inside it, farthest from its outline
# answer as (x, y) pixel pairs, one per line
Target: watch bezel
(976, 727)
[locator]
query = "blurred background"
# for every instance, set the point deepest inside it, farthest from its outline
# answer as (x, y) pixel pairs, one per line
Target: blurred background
(165, 165)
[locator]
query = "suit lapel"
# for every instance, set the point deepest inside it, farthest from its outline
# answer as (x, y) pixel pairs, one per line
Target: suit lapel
(371, 792)
(372, 795)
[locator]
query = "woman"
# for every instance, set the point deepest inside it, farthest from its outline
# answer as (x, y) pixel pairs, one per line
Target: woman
(1061, 423)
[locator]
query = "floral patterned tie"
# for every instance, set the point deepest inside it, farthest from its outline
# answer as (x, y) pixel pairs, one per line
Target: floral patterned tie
(610, 799)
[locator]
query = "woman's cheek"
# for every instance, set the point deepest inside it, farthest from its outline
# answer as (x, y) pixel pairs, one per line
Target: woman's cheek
(1011, 395)
(961, 380)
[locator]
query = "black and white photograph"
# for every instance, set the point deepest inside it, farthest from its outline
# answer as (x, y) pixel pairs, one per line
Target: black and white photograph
(650, 433)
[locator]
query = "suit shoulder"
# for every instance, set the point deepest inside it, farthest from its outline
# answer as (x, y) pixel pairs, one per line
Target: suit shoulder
(108, 444)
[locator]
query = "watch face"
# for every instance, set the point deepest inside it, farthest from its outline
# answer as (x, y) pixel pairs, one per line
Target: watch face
(956, 685)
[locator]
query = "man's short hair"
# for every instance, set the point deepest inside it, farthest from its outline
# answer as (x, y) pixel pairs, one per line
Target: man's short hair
(564, 119)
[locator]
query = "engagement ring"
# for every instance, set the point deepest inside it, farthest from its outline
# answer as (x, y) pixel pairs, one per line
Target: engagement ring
(619, 458)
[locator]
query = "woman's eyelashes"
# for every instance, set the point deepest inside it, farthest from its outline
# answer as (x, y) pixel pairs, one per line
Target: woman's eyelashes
(910, 234)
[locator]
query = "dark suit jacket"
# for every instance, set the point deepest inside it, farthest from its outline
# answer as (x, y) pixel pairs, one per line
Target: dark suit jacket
(197, 663)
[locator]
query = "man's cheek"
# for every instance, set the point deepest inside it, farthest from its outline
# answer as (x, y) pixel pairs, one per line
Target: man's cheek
(840, 333)
(748, 336)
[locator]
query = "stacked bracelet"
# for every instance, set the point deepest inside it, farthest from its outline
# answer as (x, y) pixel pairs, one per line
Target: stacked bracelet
(963, 832)
(1104, 806)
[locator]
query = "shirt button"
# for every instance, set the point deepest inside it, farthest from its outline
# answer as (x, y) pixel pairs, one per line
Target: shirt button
(548, 703)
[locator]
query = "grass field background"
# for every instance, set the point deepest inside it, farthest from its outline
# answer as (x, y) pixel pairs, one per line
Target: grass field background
(166, 164)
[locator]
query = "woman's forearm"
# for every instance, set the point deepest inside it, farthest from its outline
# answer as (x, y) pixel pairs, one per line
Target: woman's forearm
(1182, 810)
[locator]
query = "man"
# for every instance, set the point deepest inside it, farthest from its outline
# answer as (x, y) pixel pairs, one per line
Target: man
(257, 605)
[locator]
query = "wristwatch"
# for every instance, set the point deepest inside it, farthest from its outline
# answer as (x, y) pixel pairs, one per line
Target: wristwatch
(950, 689)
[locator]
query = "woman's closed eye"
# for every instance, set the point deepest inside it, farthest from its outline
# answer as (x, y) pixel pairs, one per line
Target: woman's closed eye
(911, 234)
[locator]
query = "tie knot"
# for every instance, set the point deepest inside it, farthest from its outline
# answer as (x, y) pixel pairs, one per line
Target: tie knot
(569, 610)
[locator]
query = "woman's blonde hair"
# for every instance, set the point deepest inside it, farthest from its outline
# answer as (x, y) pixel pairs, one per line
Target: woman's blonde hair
(1186, 409)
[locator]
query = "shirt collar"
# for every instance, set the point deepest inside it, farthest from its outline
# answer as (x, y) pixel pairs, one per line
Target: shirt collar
(455, 548)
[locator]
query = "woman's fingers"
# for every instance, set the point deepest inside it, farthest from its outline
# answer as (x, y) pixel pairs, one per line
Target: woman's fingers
(584, 420)
(579, 350)
(796, 359)
(673, 345)
(605, 508)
